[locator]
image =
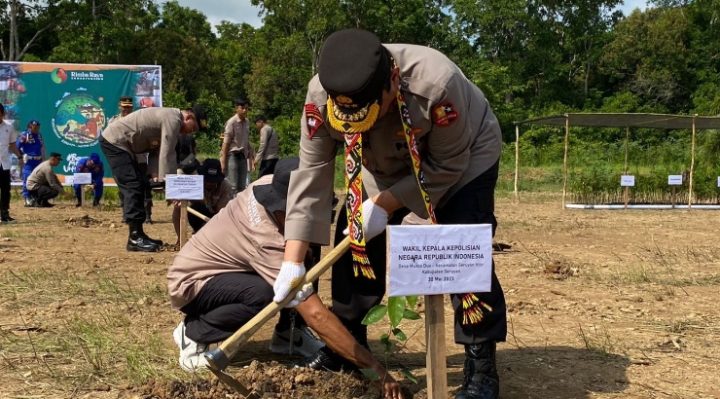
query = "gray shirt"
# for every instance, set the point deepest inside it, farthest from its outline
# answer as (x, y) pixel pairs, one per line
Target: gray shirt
(269, 146)
(43, 175)
(151, 130)
(457, 133)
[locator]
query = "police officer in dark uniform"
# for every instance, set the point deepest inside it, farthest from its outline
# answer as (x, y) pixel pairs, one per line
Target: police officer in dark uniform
(93, 165)
(418, 136)
(150, 130)
(30, 145)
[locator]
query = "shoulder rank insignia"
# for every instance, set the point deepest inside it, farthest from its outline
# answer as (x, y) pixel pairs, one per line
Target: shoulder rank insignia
(313, 119)
(444, 114)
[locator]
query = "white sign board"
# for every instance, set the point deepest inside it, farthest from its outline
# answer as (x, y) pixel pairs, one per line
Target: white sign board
(718, 181)
(627, 181)
(184, 187)
(68, 181)
(439, 259)
(82, 178)
(674, 180)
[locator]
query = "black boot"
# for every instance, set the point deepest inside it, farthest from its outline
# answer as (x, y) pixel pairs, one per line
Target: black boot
(5, 217)
(481, 378)
(138, 241)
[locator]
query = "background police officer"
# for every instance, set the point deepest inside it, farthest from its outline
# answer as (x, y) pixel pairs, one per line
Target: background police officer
(30, 145)
(94, 166)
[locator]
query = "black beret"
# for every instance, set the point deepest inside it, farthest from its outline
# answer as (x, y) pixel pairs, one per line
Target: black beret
(354, 68)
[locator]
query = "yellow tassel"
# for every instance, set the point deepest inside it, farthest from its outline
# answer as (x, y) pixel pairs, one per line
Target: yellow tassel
(352, 126)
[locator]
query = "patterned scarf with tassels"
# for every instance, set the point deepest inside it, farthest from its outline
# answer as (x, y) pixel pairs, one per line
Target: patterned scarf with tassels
(472, 306)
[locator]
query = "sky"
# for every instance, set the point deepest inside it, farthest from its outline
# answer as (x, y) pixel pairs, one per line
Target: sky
(238, 11)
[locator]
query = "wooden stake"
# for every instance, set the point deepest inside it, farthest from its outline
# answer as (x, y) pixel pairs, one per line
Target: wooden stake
(183, 222)
(627, 139)
(692, 164)
(565, 158)
(517, 160)
(626, 195)
(82, 195)
(435, 360)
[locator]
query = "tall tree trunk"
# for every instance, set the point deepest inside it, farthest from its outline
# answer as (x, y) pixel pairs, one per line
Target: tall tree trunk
(12, 43)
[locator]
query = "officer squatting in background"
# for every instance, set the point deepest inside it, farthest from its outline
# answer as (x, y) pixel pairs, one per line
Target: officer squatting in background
(401, 111)
(94, 166)
(43, 184)
(30, 145)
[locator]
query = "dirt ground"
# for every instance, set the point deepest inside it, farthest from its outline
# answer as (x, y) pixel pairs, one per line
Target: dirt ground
(601, 304)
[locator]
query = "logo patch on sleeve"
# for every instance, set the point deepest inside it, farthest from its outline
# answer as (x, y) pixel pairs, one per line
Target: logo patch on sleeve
(444, 114)
(313, 118)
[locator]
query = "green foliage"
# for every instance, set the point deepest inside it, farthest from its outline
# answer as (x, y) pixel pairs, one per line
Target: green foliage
(398, 308)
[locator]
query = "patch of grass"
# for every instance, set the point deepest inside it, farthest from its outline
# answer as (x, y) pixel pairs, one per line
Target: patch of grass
(597, 340)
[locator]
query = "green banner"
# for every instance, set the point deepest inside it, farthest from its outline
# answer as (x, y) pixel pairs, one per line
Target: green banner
(74, 102)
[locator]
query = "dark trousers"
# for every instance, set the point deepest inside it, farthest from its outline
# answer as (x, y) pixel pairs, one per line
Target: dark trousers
(98, 184)
(43, 193)
(130, 180)
(237, 171)
(267, 167)
(354, 296)
(4, 190)
(224, 304)
(30, 165)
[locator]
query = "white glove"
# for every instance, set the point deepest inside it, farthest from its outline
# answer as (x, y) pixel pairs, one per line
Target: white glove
(301, 295)
(290, 275)
(375, 219)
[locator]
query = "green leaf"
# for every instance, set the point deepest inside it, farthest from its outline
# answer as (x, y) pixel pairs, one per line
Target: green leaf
(370, 374)
(410, 315)
(375, 314)
(396, 309)
(399, 334)
(387, 343)
(406, 372)
(411, 301)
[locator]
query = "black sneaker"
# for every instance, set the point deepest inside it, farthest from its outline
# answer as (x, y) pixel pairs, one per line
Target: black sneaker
(7, 219)
(481, 379)
(327, 360)
(30, 202)
(141, 244)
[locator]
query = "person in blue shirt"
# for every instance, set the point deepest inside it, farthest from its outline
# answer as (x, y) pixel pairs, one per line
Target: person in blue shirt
(30, 145)
(93, 165)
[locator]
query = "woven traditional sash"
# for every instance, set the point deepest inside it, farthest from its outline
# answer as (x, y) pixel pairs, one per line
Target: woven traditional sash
(472, 306)
(353, 205)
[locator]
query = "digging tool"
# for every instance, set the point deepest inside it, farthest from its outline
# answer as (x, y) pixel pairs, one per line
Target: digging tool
(198, 214)
(219, 358)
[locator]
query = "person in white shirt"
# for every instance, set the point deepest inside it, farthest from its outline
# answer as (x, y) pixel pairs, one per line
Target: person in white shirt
(8, 135)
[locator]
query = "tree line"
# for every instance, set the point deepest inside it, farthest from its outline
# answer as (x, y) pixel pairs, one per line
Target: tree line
(530, 57)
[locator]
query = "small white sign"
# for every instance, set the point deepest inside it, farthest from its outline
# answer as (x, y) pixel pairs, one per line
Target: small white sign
(184, 187)
(718, 181)
(439, 259)
(675, 180)
(82, 178)
(627, 181)
(68, 181)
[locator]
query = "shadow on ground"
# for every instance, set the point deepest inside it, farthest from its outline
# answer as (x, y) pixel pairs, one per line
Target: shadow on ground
(557, 372)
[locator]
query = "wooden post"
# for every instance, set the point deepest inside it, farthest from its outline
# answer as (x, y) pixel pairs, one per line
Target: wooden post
(435, 359)
(626, 195)
(183, 222)
(565, 158)
(692, 164)
(627, 139)
(673, 197)
(517, 160)
(82, 195)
